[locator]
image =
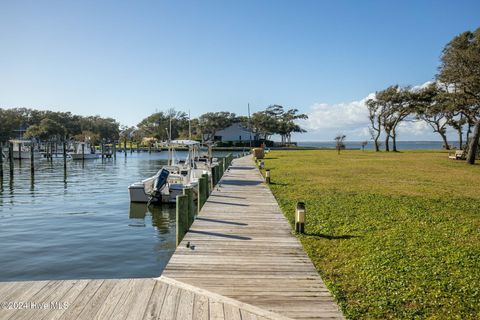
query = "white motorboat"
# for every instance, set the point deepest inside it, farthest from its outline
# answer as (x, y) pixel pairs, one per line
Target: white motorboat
(180, 175)
(84, 151)
(21, 150)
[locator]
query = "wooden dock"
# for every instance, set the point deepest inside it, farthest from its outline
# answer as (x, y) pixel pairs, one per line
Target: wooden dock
(241, 246)
(241, 262)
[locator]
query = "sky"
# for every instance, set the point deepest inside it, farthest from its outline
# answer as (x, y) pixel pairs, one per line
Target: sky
(128, 59)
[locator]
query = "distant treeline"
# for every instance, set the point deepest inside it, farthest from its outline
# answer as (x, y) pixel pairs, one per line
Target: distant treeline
(47, 125)
(160, 126)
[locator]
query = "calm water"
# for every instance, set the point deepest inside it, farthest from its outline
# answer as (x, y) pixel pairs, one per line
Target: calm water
(401, 145)
(82, 226)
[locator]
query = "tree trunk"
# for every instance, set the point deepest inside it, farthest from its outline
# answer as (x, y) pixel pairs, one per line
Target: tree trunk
(460, 138)
(445, 142)
(387, 146)
(472, 150)
(394, 141)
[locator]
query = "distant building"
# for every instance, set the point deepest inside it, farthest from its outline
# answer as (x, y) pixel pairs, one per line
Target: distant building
(236, 132)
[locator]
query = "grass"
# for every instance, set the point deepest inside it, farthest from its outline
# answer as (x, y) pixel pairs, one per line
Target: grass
(393, 235)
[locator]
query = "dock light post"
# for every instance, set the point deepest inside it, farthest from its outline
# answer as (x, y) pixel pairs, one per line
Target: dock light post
(267, 176)
(300, 218)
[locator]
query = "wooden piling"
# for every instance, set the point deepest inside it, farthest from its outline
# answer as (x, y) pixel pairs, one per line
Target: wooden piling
(191, 214)
(10, 157)
(201, 193)
(207, 185)
(181, 217)
(32, 158)
(220, 170)
(214, 175)
(114, 150)
(19, 154)
(102, 146)
(131, 147)
(64, 157)
(83, 152)
(125, 147)
(1, 161)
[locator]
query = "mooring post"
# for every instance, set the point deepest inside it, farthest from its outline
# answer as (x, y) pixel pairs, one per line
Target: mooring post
(201, 193)
(1, 162)
(102, 146)
(217, 174)
(220, 169)
(267, 176)
(32, 157)
(214, 176)
(20, 154)
(51, 151)
(10, 157)
(191, 215)
(83, 152)
(181, 217)
(300, 218)
(64, 156)
(131, 147)
(114, 150)
(207, 185)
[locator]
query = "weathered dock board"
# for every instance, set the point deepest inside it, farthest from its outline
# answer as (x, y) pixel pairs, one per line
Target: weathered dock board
(116, 299)
(241, 246)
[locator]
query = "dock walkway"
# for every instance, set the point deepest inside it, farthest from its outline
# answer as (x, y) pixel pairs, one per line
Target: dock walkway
(241, 262)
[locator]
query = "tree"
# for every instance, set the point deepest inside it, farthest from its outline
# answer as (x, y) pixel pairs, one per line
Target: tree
(460, 67)
(364, 144)
(288, 125)
(47, 129)
(375, 114)
(339, 145)
(158, 125)
(212, 122)
(432, 106)
(396, 106)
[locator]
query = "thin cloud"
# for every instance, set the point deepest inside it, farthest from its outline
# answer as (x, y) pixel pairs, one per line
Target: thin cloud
(351, 118)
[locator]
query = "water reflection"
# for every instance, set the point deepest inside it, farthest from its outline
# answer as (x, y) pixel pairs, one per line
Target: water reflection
(162, 216)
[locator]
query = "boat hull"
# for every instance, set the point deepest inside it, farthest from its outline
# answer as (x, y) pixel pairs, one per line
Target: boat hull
(25, 155)
(86, 156)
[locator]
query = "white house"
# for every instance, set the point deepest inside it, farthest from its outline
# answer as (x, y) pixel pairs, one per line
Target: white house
(236, 132)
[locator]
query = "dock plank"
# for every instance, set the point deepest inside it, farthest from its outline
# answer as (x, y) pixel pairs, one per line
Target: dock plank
(244, 249)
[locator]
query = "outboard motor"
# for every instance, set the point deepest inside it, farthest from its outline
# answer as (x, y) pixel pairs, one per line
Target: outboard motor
(160, 182)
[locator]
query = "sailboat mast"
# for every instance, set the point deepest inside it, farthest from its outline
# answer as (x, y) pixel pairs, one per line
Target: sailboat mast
(249, 126)
(189, 126)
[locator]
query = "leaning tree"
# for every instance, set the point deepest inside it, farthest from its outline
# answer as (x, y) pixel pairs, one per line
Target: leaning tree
(460, 67)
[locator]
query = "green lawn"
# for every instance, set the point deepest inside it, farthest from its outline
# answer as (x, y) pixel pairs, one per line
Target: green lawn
(394, 235)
